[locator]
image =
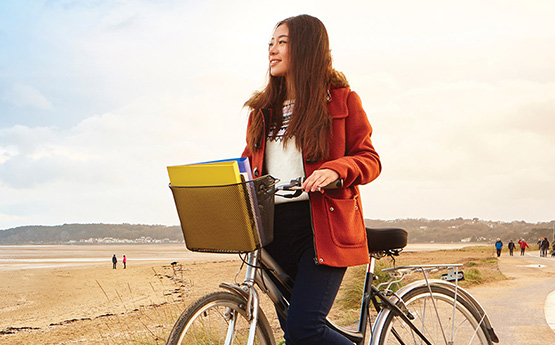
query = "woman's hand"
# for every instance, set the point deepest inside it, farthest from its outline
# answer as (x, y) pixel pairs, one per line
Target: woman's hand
(319, 179)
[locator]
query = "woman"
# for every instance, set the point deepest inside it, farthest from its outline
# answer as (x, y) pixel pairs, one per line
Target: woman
(307, 122)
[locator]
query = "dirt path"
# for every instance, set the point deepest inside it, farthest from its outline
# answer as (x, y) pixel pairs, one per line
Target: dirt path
(516, 306)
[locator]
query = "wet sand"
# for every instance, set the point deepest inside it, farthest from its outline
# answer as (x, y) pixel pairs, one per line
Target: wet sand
(22, 257)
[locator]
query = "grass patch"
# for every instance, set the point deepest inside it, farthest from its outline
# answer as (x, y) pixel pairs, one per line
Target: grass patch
(473, 275)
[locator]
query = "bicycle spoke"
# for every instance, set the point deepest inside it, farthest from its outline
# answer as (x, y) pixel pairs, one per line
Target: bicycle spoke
(217, 319)
(442, 317)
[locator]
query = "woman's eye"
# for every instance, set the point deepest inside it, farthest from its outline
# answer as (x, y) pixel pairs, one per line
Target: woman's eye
(282, 42)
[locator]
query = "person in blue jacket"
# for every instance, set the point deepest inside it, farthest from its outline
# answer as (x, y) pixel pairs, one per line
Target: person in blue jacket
(498, 246)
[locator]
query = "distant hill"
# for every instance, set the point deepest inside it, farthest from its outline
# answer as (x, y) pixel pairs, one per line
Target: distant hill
(473, 230)
(420, 230)
(76, 232)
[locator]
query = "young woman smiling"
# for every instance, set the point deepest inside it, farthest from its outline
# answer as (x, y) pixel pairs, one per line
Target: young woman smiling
(307, 122)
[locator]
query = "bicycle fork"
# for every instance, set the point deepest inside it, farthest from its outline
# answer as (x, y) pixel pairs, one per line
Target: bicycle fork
(250, 296)
(252, 301)
(247, 292)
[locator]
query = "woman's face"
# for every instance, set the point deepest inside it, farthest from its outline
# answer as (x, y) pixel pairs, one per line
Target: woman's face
(278, 52)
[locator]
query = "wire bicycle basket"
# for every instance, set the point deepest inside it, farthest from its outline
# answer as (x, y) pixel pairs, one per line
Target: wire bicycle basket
(234, 218)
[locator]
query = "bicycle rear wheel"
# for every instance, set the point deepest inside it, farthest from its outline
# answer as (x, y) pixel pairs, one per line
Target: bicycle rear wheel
(218, 318)
(442, 317)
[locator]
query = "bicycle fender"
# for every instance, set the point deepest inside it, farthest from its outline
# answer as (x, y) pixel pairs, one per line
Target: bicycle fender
(462, 293)
(236, 290)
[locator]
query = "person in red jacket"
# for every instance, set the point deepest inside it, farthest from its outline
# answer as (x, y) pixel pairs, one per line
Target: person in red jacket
(523, 245)
(308, 122)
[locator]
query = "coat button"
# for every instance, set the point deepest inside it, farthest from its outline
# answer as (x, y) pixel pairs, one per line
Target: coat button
(257, 146)
(356, 207)
(321, 260)
(256, 172)
(331, 209)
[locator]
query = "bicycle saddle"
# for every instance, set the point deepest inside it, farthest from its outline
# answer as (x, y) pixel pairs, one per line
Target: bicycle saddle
(381, 239)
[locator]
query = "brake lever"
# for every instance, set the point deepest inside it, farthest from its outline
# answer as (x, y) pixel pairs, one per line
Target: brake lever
(293, 185)
(296, 185)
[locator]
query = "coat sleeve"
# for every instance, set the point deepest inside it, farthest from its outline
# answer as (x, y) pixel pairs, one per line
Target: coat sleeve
(247, 152)
(361, 163)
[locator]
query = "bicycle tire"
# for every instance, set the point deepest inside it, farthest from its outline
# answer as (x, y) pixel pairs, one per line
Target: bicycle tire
(206, 321)
(460, 321)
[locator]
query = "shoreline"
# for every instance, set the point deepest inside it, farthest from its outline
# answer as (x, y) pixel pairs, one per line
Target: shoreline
(26, 257)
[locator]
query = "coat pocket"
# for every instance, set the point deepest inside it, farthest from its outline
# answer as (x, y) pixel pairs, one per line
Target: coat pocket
(346, 222)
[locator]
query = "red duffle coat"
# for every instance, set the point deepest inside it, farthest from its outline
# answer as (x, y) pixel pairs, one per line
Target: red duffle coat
(337, 218)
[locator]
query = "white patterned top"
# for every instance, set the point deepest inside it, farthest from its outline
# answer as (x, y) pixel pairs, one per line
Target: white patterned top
(283, 160)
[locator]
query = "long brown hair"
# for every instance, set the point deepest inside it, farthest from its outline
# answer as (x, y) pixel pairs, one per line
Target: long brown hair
(310, 70)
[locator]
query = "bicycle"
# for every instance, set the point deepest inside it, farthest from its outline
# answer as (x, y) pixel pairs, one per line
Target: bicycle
(427, 311)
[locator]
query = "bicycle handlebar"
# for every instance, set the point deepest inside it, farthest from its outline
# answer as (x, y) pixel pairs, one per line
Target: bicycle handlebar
(295, 185)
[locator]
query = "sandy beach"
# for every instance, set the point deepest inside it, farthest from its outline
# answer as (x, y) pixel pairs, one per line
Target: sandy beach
(70, 294)
(45, 291)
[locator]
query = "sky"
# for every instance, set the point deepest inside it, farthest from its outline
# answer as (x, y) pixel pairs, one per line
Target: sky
(98, 97)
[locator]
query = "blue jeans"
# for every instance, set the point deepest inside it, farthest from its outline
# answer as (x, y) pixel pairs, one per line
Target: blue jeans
(315, 285)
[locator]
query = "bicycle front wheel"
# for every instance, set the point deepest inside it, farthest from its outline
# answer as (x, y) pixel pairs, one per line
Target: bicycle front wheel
(442, 316)
(218, 318)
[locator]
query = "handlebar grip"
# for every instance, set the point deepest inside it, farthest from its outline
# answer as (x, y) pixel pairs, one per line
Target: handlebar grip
(335, 184)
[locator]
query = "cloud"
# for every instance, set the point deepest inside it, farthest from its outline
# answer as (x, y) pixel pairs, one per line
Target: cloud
(23, 95)
(7, 152)
(470, 149)
(462, 114)
(112, 166)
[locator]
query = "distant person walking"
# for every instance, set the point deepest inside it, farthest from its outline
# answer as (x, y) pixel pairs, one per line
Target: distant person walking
(544, 246)
(498, 247)
(523, 245)
(124, 262)
(511, 246)
(114, 261)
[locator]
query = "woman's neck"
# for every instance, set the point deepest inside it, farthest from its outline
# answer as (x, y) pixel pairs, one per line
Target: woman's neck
(290, 90)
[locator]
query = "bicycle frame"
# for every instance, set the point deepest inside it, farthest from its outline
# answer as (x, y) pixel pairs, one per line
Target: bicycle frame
(259, 267)
(263, 271)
